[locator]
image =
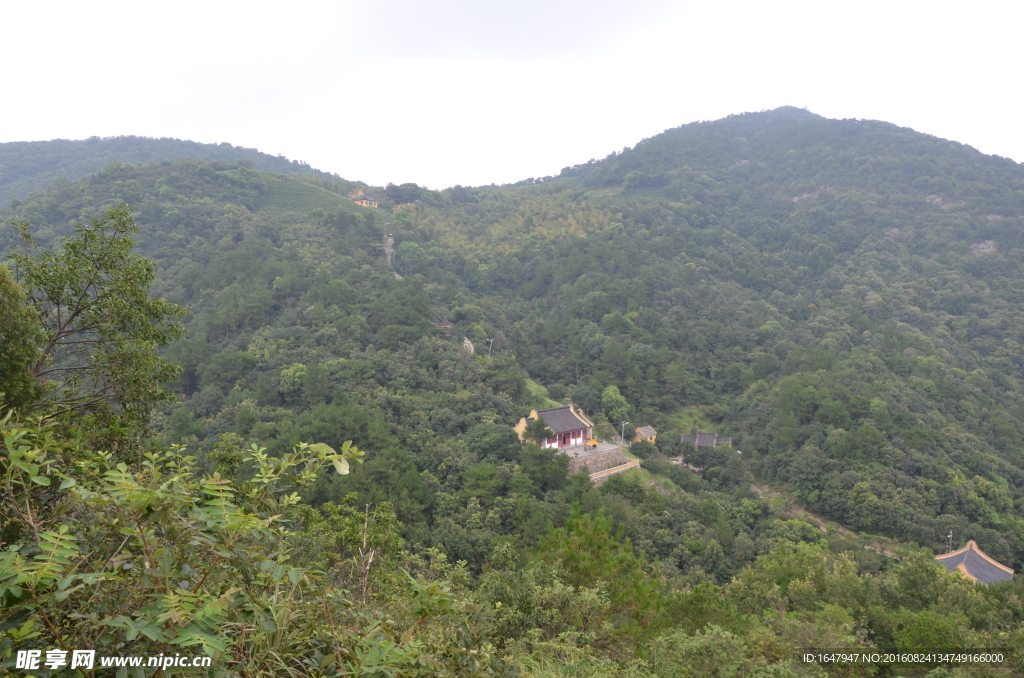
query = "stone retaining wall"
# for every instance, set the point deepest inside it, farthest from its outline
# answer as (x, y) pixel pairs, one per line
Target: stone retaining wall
(598, 461)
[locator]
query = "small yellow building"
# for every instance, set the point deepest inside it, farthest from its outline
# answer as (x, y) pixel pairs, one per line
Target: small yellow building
(645, 433)
(365, 201)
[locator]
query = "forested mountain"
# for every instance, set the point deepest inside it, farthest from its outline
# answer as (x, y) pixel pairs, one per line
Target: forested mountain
(843, 298)
(27, 166)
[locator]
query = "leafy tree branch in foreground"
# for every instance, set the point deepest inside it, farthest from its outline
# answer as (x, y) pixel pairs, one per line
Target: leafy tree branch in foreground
(101, 329)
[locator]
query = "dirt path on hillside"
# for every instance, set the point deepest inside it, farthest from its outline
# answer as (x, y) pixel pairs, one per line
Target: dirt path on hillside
(795, 510)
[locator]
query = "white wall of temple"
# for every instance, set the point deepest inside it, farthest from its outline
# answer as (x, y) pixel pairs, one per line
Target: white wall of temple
(574, 438)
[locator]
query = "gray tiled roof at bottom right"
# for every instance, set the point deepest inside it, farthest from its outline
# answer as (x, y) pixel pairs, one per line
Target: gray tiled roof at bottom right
(980, 569)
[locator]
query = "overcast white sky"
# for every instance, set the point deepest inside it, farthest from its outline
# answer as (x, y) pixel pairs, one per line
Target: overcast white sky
(473, 92)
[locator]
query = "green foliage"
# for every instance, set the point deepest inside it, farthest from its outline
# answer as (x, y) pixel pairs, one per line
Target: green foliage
(410, 193)
(102, 329)
(546, 468)
(703, 606)
(34, 165)
(589, 553)
(538, 432)
(537, 599)
(643, 449)
(142, 586)
(21, 335)
(712, 652)
(287, 194)
(226, 368)
(361, 549)
(614, 404)
(495, 441)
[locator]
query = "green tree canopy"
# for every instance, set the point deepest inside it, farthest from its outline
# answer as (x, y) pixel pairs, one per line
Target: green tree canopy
(102, 329)
(538, 431)
(614, 404)
(21, 335)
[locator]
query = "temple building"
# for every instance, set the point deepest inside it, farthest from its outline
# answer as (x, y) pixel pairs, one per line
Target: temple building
(971, 562)
(573, 436)
(570, 426)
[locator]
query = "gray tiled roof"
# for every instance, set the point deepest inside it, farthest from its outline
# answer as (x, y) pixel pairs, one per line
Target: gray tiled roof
(647, 431)
(980, 566)
(561, 419)
(702, 439)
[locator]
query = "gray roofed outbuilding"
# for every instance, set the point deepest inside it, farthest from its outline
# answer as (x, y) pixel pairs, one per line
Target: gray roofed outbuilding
(702, 439)
(972, 562)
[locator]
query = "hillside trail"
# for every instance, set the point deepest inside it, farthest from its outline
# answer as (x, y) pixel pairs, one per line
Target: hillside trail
(794, 510)
(389, 253)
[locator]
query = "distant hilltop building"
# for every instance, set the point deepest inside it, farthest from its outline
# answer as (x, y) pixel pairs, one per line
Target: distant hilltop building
(570, 426)
(701, 439)
(365, 201)
(645, 433)
(971, 562)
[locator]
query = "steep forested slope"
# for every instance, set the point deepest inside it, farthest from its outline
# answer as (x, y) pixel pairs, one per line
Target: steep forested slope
(843, 298)
(27, 166)
(845, 294)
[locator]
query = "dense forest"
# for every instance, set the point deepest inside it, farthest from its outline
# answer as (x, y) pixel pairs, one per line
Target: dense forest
(841, 297)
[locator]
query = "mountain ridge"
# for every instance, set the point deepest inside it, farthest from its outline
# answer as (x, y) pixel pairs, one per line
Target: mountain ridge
(717, 144)
(26, 166)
